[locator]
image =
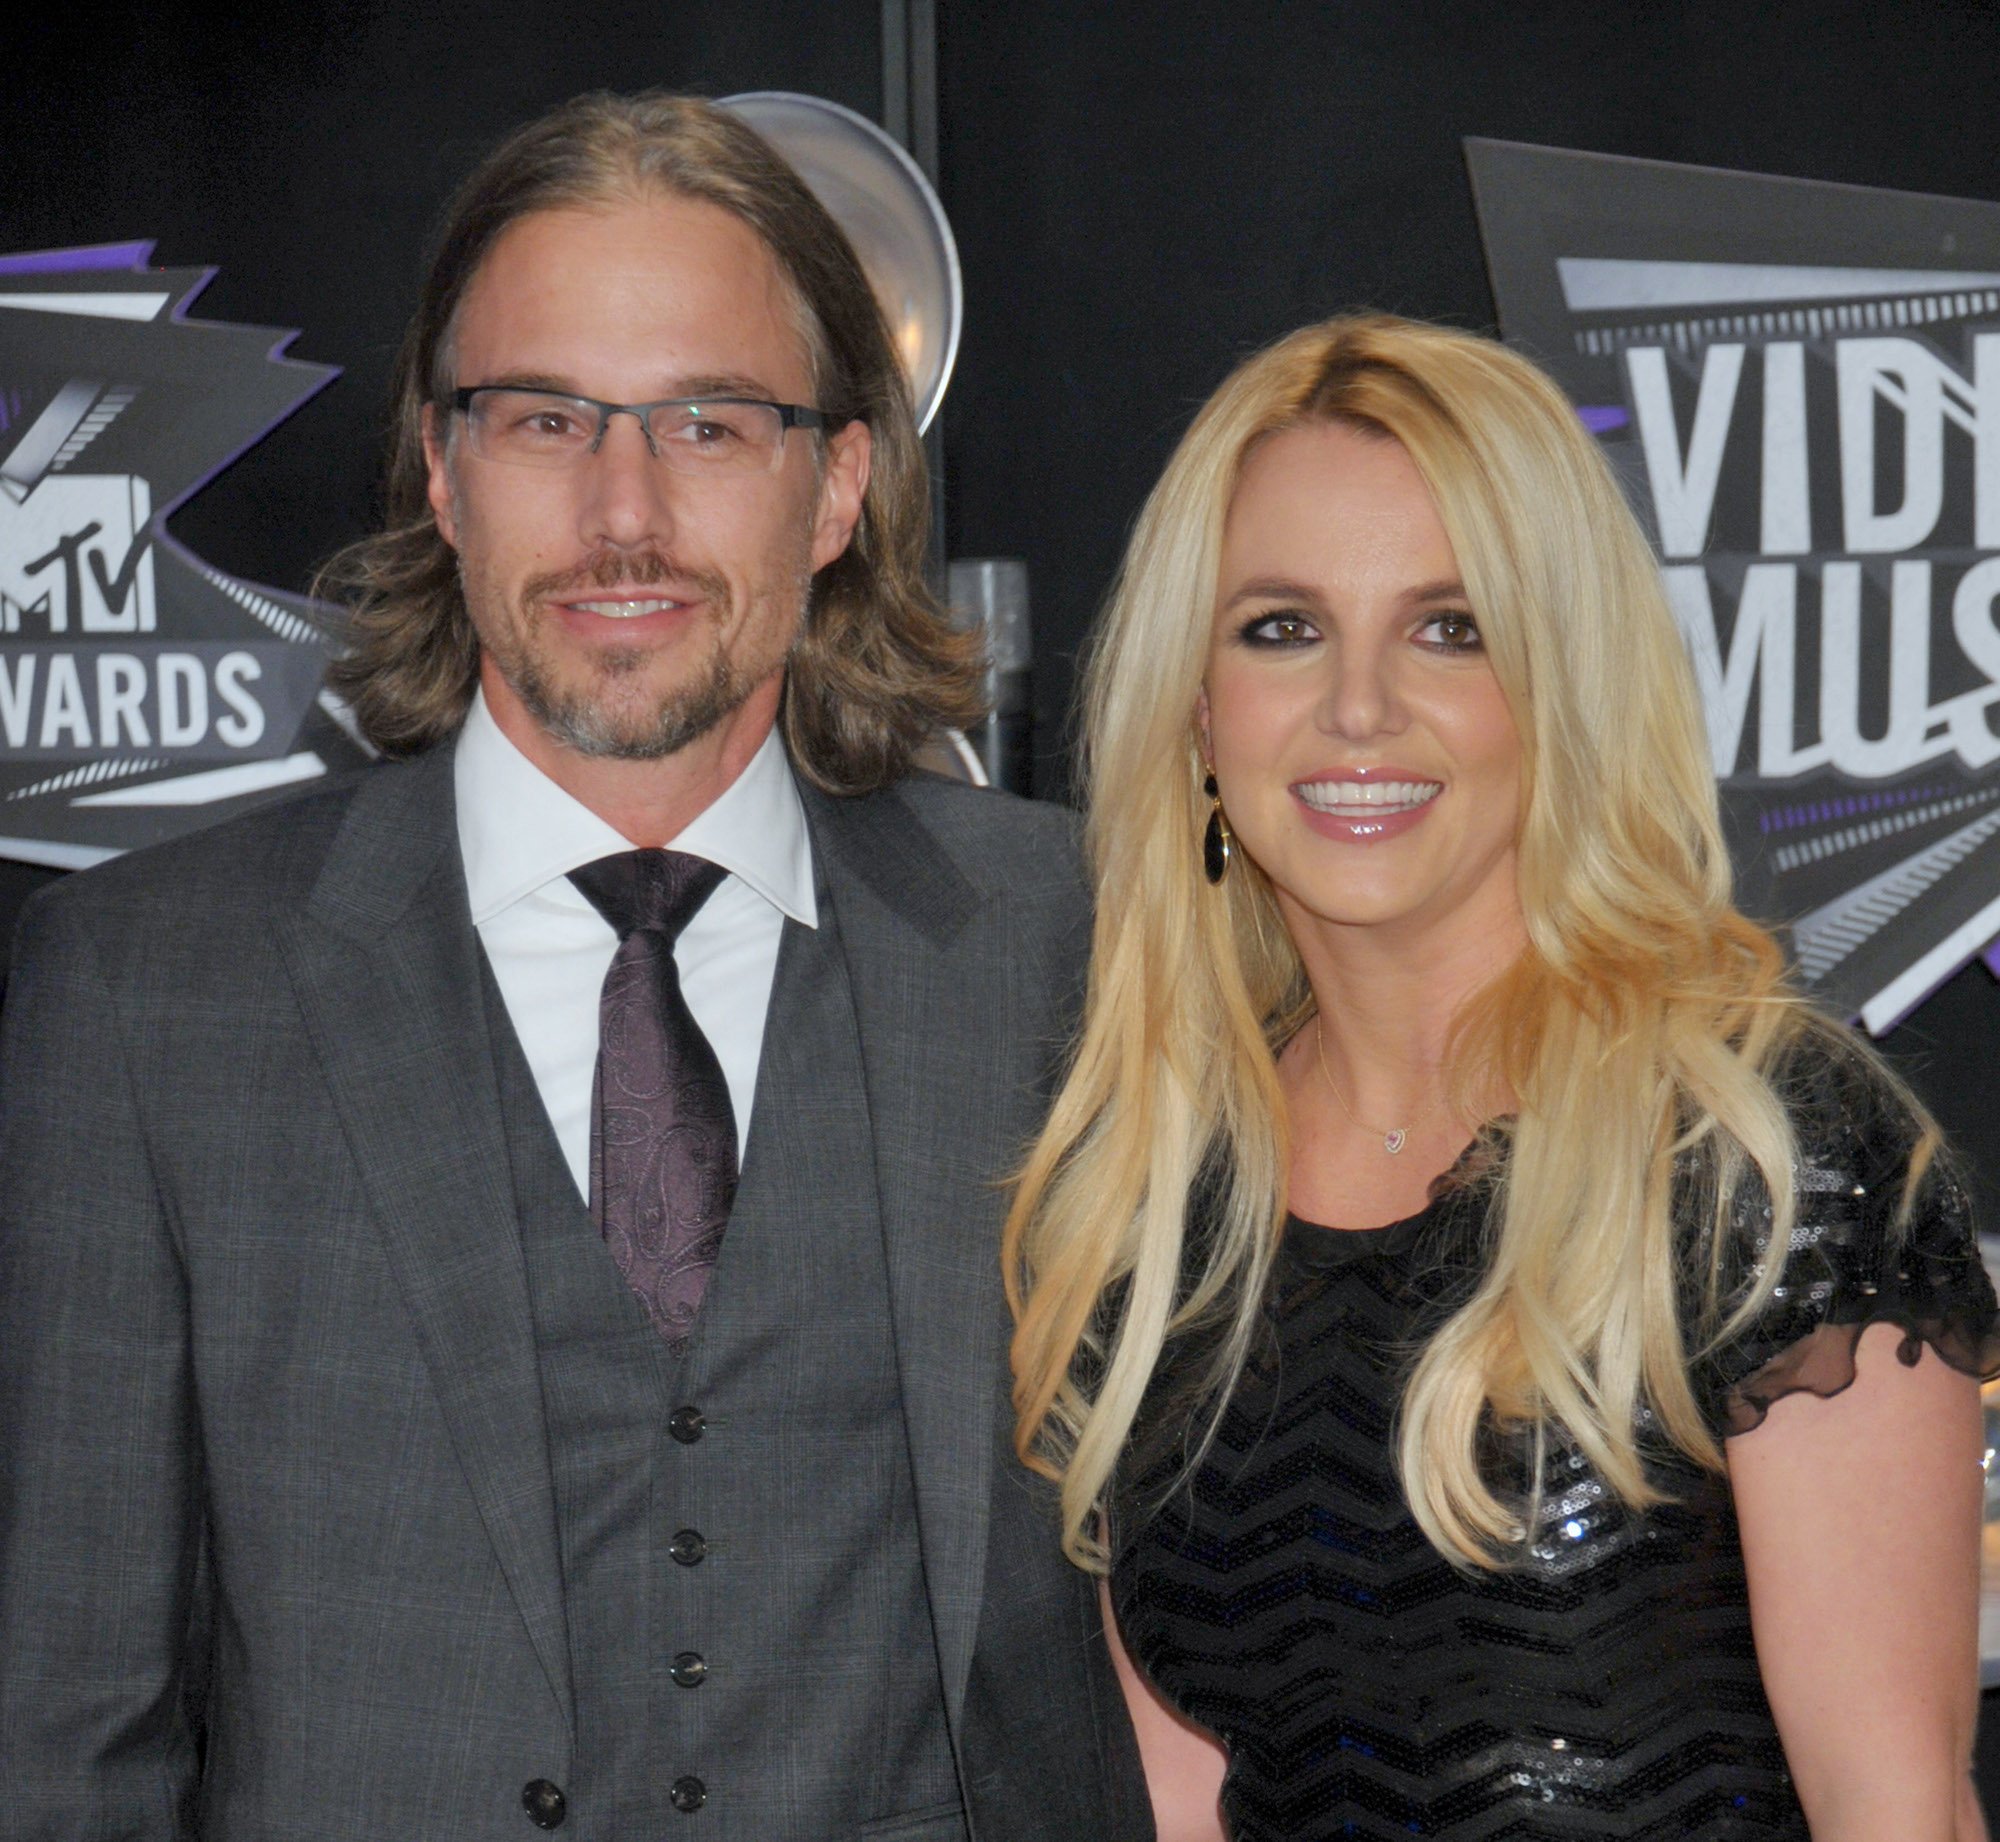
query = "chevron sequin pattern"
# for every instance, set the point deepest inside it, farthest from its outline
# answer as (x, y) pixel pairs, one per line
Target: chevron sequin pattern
(1605, 1685)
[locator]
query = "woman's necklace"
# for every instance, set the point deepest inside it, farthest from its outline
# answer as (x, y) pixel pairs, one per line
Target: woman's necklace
(1394, 1138)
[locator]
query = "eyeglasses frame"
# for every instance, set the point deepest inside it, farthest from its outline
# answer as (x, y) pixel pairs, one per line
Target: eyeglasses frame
(790, 415)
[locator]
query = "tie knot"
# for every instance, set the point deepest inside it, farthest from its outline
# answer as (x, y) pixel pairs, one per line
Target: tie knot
(654, 890)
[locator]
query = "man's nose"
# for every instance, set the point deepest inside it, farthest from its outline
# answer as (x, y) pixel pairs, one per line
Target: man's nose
(625, 495)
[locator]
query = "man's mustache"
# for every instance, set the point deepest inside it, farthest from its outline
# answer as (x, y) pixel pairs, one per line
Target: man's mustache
(648, 568)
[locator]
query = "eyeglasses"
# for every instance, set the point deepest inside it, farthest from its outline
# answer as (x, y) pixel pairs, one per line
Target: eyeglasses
(539, 428)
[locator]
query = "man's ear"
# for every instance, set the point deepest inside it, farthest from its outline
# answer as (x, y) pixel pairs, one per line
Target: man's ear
(842, 486)
(437, 486)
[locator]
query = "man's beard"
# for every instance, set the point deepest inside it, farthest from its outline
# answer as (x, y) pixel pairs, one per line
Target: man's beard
(582, 716)
(577, 716)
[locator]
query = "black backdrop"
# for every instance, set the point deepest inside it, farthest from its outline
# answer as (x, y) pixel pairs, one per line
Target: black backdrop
(1141, 193)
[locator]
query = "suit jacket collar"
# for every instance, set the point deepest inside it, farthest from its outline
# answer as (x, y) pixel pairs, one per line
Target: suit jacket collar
(399, 836)
(878, 844)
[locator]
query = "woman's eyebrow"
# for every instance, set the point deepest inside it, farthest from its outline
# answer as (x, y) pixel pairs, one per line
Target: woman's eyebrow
(1273, 588)
(1284, 588)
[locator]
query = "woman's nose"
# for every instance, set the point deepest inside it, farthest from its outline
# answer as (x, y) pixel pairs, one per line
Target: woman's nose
(1362, 698)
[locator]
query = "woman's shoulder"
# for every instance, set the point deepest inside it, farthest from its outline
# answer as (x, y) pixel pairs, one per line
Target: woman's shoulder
(1882, 1231)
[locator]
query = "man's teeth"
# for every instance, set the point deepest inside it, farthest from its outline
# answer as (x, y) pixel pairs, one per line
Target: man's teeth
(1347, 798)
(624, 610)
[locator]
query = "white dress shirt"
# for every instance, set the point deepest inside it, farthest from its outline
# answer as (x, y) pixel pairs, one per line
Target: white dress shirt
(521, 835)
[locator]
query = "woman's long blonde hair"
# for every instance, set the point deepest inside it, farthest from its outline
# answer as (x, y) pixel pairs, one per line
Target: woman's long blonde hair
(1642, 1022)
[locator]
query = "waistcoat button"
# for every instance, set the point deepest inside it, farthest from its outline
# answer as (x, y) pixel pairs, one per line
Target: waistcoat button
(688, 1795)
(544, 1803)
(690, 1669)
(686, 1423)
(687, 1546)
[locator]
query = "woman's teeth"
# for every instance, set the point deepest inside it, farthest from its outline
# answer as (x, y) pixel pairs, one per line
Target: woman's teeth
(1346, 799)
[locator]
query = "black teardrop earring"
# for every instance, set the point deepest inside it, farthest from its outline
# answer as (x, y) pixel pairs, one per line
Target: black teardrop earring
(1216, 844)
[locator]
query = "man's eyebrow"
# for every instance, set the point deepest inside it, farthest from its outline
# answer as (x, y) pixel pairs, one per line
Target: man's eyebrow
(678, 390)
(527, 380)
(722, 384)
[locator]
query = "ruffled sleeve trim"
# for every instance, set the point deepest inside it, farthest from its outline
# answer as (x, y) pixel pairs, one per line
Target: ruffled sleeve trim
(1822, 1361)
(1867, 1245)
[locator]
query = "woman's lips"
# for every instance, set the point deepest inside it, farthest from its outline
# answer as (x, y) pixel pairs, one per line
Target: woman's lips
(1366, 810)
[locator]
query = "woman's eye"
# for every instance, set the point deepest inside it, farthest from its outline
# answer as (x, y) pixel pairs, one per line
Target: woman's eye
(1279, 630)
(1451, 633)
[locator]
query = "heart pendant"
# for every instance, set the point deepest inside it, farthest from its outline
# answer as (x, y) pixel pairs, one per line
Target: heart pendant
(1392, 1142)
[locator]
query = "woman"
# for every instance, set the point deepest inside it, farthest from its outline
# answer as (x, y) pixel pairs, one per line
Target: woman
(1449, 1183)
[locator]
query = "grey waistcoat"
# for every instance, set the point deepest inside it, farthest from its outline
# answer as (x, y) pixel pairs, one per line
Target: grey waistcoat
(749, 1628)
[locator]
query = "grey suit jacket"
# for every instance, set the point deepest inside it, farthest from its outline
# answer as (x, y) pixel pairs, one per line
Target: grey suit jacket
(278, 1552)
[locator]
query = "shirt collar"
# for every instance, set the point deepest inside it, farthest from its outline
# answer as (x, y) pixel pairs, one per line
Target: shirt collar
(520, 833)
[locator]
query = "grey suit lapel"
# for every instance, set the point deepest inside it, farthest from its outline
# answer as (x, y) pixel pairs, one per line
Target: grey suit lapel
(927, 972)
(385, 964)
(807, 1157)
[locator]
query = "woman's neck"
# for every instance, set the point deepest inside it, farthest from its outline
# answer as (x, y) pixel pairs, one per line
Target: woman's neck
(1376, 1111)
(1388, 997)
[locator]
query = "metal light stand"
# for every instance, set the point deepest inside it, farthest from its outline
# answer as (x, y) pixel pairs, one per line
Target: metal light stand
(910, 115)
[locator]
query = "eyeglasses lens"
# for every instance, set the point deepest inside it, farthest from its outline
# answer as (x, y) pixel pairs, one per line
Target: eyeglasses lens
(528, 429)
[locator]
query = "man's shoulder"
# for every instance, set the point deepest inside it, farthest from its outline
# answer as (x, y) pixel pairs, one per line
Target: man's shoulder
(962, 844)
(988, 832)
(249, 865)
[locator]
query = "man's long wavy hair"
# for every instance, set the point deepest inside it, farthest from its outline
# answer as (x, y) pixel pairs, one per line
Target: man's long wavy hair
(877, 668)
(1642, 1028)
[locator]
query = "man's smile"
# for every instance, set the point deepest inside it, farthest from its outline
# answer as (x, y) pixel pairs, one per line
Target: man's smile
(626, 610)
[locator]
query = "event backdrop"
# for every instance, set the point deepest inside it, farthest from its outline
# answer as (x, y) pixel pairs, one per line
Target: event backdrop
(143, 690)
(1141, 194)
(1800, 387)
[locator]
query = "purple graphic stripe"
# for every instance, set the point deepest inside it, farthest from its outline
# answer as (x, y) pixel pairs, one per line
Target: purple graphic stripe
(1992, 958)
(1602, 418)
(276, 355)
(1827, 811)
(75, 261)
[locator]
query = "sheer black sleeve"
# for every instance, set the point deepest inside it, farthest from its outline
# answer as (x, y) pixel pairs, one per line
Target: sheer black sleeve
(1873, 1243)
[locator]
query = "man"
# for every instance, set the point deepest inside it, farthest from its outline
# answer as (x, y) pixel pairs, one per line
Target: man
(391, 1446)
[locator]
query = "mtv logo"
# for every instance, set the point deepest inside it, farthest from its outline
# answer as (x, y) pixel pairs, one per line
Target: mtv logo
(76, 555)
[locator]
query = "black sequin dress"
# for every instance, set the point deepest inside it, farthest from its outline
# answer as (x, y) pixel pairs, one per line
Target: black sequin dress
(1606, 1685)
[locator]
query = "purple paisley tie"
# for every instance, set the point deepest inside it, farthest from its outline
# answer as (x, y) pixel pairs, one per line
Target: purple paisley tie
(662, 1131)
